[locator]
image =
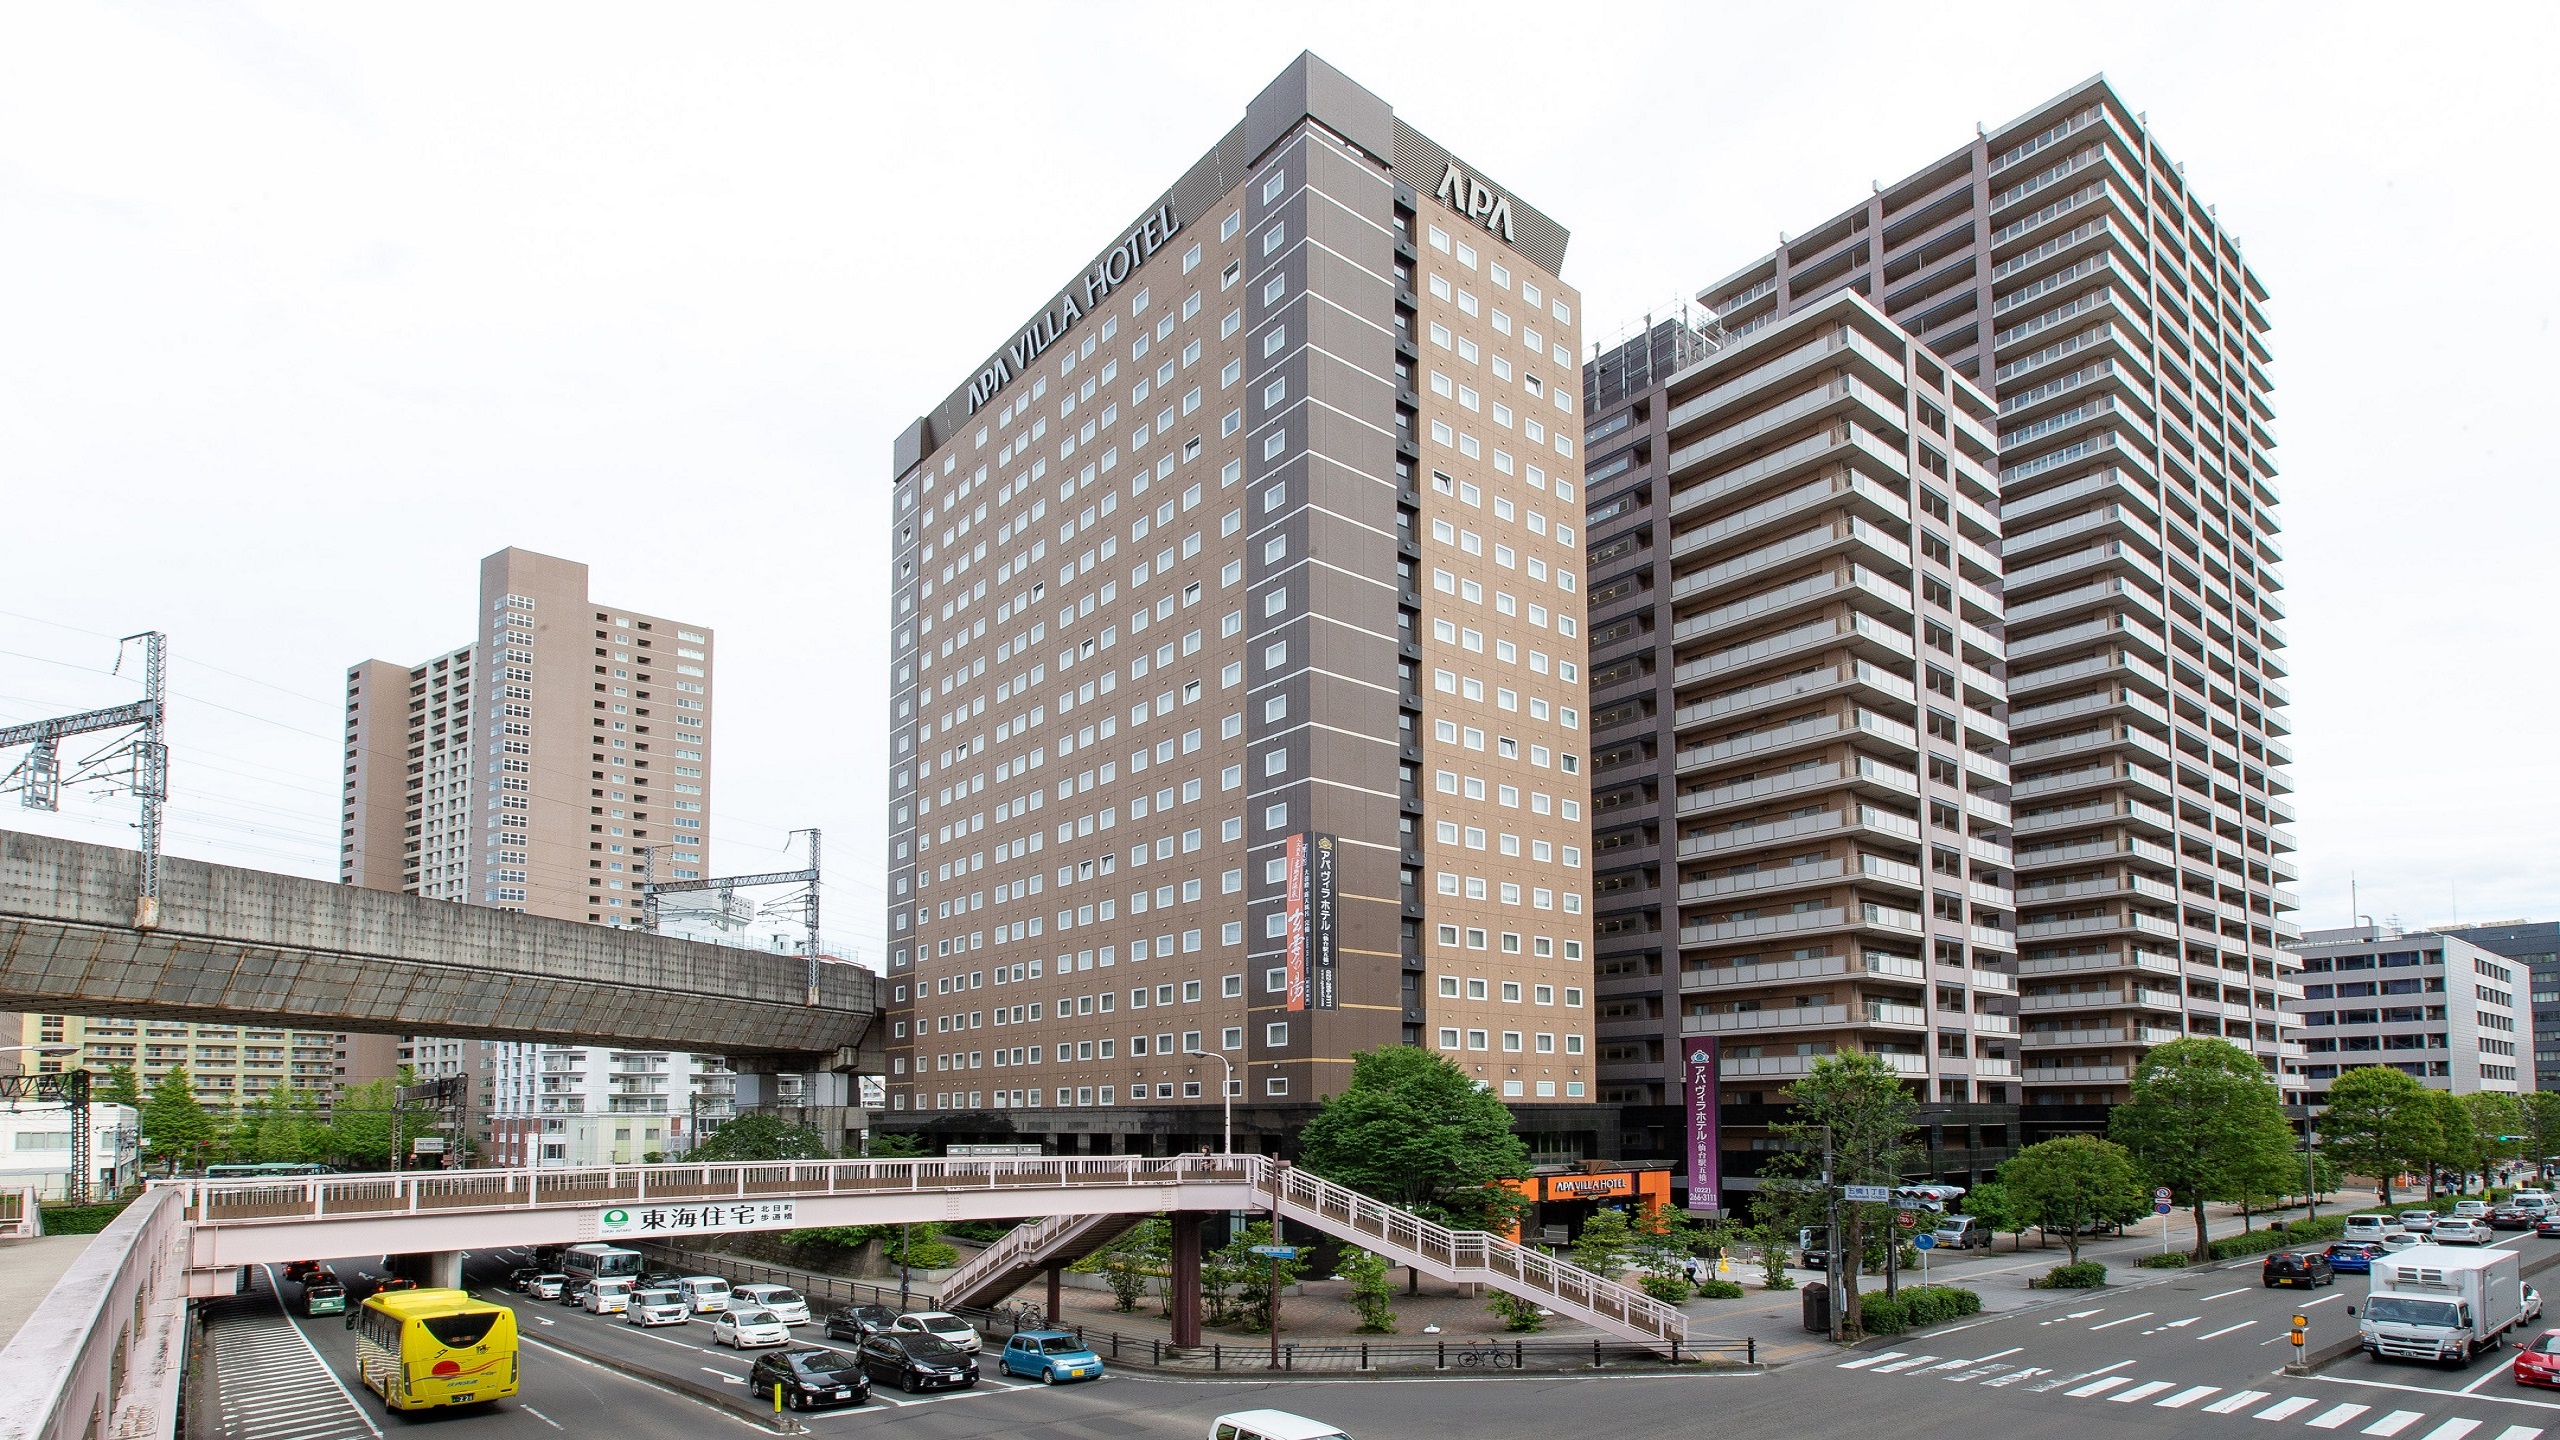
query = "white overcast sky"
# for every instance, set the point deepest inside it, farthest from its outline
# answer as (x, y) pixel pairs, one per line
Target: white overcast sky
(305, 308)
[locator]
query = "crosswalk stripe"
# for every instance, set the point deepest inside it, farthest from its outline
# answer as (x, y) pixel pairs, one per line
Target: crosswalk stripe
(1904, 1364)
(2099, 1387)
(2453, 1429)
(2521, 1432)
(2283, 1408)
(2241, 1401)
(1865, 1361)
(2335, 1416)
(2187, 1397)
(2393, 1423)
(2143, 1391)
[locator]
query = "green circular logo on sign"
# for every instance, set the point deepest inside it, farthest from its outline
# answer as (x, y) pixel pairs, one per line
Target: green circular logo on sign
(617, 1217)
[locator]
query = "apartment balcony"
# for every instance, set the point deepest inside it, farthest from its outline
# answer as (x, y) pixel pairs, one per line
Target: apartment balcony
(1988, 1068)
(1873, 1013)
(1852, 537)
(1862, 773)
(1992, 938)
(1904, 923)
(1788, 1066)
(2088, 1036)
(1993, 982)
(2074, 1074)
(1857, 630)
(2122, 884)
(1986, 1022)
(2030, 967)
(2167, 1001)
(1862, 496)
(1858, 820)
(1731, 977)
(2130, 922)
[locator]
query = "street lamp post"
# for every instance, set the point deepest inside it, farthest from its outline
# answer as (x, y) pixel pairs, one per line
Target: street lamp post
(1226, 1098)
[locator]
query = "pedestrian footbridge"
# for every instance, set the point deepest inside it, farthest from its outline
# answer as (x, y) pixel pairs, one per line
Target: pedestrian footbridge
(1084, 1203)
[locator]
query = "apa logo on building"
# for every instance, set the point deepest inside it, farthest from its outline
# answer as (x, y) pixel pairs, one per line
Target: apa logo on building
(1477, 200)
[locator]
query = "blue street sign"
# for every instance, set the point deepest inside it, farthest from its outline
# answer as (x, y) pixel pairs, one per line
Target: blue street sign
(1925, 1242)
(2159, 1207)
(1277, 1252)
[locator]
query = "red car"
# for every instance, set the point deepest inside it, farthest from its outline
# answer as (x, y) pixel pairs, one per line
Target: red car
(2538, 1363)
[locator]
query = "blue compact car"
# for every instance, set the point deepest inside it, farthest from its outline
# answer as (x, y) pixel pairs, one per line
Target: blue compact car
(2353, 1257)
(1050, 1356)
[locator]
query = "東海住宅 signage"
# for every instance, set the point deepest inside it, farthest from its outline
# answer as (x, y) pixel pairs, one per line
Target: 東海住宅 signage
(645, 1222)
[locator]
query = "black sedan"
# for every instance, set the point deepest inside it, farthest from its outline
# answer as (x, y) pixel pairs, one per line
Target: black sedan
(914, 1361)
(860, 1322)
(810, 1379)
(2508, 1218)
(2307, 1268)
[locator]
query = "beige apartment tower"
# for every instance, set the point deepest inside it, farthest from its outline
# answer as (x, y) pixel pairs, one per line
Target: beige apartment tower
(535, 768)
(1236, 688)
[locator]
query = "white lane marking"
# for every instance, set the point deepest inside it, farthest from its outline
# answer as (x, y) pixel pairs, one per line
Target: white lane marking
(538, 1415)
(2227, 1329)
(2143, 1391)
(2323, 1300)
(2026, 1373)
(2241, 1401)
(2393, 1423)
(1976, 1360)
(1904, 1364)
(2188, 1396)
(2440, 1394)
(2283, 1408)
(2453, 1429)
(1976, 1373)
(2129, 1319)
(2099, 1387)
(2495, 1372)
(2218, 1294)
(2075, 1379)
(2335, 1416)
(1863, 1363)
(2173, 1325)
(2520, 1432)
(725, 1377)
(2075, 1315)
(325, 1369)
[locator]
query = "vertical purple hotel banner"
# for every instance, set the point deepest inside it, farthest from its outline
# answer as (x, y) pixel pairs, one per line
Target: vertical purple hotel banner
(1706, 1151)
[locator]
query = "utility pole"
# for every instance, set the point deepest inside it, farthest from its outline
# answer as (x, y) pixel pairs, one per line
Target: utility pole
(1271, 1311)
(651, 888)
(1831, 1209)
(139, 762)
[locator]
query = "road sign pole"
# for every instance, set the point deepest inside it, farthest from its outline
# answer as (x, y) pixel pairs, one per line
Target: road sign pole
(2301, 1333)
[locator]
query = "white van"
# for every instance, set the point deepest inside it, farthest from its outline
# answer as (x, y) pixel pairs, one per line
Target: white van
(2373, 1228)
(1272, 1425)
(703, 1294)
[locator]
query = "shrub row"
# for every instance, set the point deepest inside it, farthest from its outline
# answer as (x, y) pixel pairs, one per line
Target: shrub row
(1719, 1290)
(80, 1219)
(2174, 1260)
(2087, 1275)
(1915, 1306)
(2280, 1237)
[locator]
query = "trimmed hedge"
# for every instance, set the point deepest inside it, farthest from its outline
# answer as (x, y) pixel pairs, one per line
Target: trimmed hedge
(2087, 1275)
(80, 1219)
(2174, 1260)
(1915, 1306)
(2279, 1237)
(1719, 1290)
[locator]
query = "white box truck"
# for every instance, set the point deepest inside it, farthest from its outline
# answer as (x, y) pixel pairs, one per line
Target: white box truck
(2431, 1302)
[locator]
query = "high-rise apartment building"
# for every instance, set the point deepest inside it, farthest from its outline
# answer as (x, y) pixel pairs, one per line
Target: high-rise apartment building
(2442, 1009)
(530, 769)
(1236, 687)
(229, 1065)
(2062, 263)
(2535, 945)
(1800, 817)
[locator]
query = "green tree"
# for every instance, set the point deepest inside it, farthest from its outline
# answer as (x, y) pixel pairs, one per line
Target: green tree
(2501, 1125)
(1856, 1106)
(2206, 1121)
(2459, 1147)
(892, 1145)
(1252, 1275)
(1605, 1243)
(116, 1086)
(2071, 1183)
(753, 1136)
(1128, 1263)
(1992, 1209)
(175, 1124)
(1371, 1293)
(2379, 1122)
(359, 1134)
(2542, 1122)
(1414, 1130)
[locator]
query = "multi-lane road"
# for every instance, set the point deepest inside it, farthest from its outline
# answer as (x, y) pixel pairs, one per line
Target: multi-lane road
(2175, 1353)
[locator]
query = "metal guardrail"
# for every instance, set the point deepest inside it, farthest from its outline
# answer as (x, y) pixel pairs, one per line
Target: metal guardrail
(313, 1197)
(101, 1354)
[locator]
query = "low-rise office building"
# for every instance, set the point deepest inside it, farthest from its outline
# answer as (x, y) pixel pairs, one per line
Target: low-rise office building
(2535, 945)
(2435, 1006)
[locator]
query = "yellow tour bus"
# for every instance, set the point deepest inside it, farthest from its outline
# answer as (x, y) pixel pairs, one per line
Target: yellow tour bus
(419, 1349)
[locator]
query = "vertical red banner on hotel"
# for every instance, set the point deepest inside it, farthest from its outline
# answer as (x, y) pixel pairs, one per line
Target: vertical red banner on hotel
(1296, 912)
(1706, 1148)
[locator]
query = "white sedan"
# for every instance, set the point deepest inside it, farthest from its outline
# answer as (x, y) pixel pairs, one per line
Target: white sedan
(746, 1329)
(950, 1329)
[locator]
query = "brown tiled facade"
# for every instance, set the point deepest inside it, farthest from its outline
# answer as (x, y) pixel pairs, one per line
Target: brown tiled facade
(1265, 528)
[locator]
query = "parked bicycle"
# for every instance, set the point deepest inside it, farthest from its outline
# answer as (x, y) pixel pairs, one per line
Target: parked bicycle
(1487, 1357)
